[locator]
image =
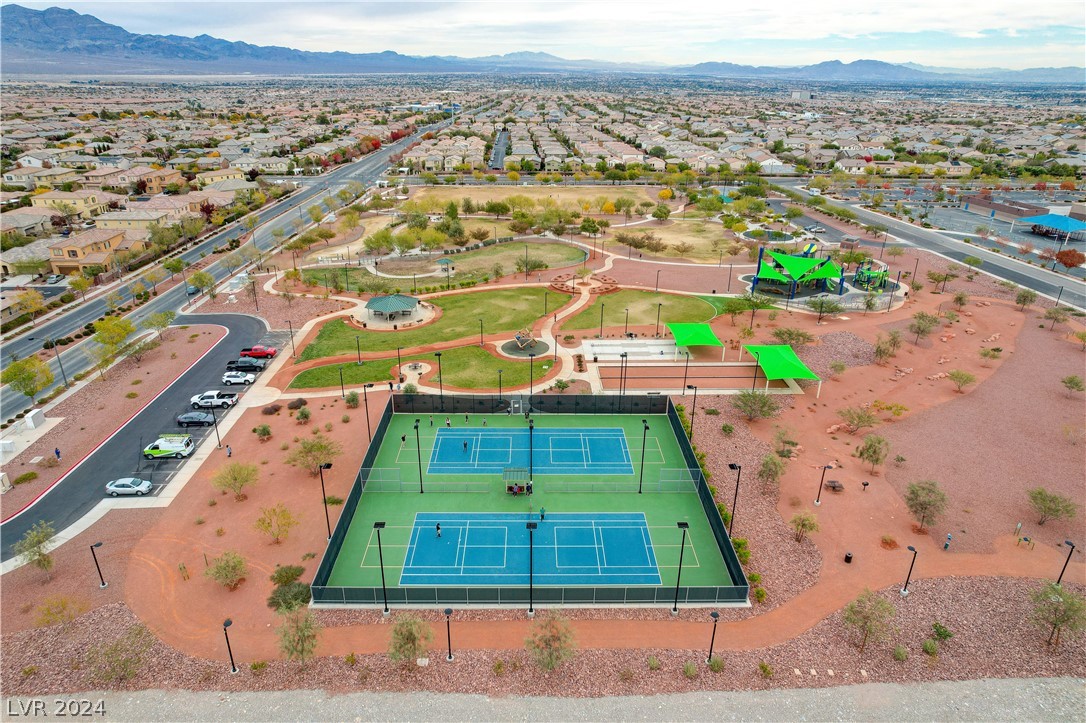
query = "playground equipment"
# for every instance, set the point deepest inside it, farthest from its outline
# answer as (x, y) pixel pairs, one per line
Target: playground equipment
(869, 278)
(810, 250)
(524, 339)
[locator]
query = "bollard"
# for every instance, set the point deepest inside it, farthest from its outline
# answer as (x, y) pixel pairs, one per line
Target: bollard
(946, 545)
(848, 558)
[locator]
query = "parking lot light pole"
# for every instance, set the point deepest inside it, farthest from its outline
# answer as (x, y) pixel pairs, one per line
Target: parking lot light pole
(905, 589)
(366, 402)
(418, 448)
(1065, 562)
(818, 497)
(102, 581)
(644, 438)
(378, 526)
(738, 468)
(531, 568)
(684, 526)
(229, 651)
(215, 422)
(712, 639)
(324, 496)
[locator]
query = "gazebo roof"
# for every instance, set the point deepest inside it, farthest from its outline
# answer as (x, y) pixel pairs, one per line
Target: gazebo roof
(392, 304)
(694, 335)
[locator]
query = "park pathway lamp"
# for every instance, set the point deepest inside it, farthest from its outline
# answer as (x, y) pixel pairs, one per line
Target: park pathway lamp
(905, 590)
(659, 308)
(626, 327)
(712, 639)
(693, 407)
(102, 581)
(358, 351)
(229, 651)
(602, 306)
(657, 289)
(644, 439)
(738, 469)
(531, 568)
(440, 381)
(481, 332)
(342, 389)
(499, 384)
(418, 448)
(531, 379)
(399, 364)
(324, 496)
(684, 526)
(448, 632)
(1065, 562)
(378, 526)
(818, 497)
(366, 402)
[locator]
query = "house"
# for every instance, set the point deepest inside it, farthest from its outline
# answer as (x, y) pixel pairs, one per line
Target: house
(103, 177)
(133, 219)
(84, 203)
(35, 253)
(221, 174)
(26, 220)
(96, 247)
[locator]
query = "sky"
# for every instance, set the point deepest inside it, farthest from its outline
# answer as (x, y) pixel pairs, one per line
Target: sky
(1012, 34)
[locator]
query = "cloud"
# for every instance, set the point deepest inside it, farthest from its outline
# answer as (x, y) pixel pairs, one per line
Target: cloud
(634, 30)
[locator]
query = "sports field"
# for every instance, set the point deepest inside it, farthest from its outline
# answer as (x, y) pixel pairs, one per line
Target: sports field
(592, 526)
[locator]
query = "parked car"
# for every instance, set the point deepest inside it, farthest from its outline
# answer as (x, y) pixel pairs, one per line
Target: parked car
(238, 378)
(259, 352)
(170, 445)
(246, 365)
(54, 278)
(222, 400)
(814, 229)
(191, 290)
(195, 419)
(128, 486)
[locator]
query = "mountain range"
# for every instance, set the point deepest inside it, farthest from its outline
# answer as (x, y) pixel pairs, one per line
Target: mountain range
(62, 42)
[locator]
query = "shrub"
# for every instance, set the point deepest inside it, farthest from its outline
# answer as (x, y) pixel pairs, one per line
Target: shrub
(857, 418)
(298, 635)
(1050, 505)
(499, 668)
(120, 660)
(199, 520)
(760, 594)
(753, 405)
(131, 395)
(961, 378)
(258, 667)
(870, 615)
(654, 663)
(716, 664)
(59, 610)
(410, 638)
(727, 429)
(410, 389)
(333, 501)
(303, 415)
(296, 403)
(742, 549)
(229, 570)
(901, 653)
(235, 477)
(289, 597)
(837, 368)
(276, 522)
(263, 432)
(328, 427)
(33, 547)
(286, 574)
(765, 670)
(352, 400)
(350, 659)
(690, 670)
(271, 409)
(345, 418)
(930, 647)
(941, 632)
(29, 671)
(24, 478)
(711, 412)
(211, 502)
(551, 641)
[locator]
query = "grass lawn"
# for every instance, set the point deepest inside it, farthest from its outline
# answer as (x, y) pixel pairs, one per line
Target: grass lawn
(700, 236)
(467, 367)
(642, 306)
(503, 310)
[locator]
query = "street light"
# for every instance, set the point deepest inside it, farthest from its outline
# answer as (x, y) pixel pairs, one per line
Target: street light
(342, 390)
(499, 384)
(738, 469)
(531, 450)
(644, 439)
(399, 364)
(715, 616)
(226, 624)
(378, 526)
(290, 328)
(480, 332)
(818, 498)
(440, 381)
(693, 407)
(366, 401)
(418, 447)
(626, 327)
(1069, 552)
(56, 350)
(103, 584)
(657, 280)
(448, 632)
(658, 308)
(358, 349)
(602, 306)
(684, 526)
(531, 568)
(905, 590)
(324, 496)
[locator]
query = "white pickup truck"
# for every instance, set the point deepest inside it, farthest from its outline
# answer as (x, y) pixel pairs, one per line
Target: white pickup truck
(222, 400)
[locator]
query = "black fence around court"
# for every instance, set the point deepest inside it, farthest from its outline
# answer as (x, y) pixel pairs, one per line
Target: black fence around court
(324, 594)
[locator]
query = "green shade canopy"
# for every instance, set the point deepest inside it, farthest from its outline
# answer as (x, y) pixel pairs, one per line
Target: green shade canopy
(694, 335)
(828, 270)
(796, 266)
(766, 271)
(392, 304)
(778, 361)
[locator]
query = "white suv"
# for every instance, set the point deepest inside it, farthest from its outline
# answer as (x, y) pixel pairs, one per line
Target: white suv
(238, 378)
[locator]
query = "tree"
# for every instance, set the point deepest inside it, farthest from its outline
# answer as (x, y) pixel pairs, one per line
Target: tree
(159, 322)
(793, 337)
(1073, 384)
(770, 471)
(590, 226)
(298, 635)
(824, 307)
(202, 281)
(1057, 610)
(276, 521)
(961, 378)
(235, 477)
(1057, 315)
(754, 404)
(925, 500)
(1025, 297)
(29, 302)
(114, 300)
(922, 324)
(1050, 505)
(1071, 258)
(870, 615)
(316, 213)
(27, 376)
(229, 570)
(140, 348)
(857, 418)
(551, 641)
(961, 299)
(80, 283)
(34, 546)
(174, 266)
(661, 213)
(874, 450)
(410, 638)
(112, 332)
(190, 227)
(314, 451)
(803, 523)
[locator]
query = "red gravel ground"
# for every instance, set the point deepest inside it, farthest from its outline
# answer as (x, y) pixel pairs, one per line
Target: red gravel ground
(84, 426)
(274, 309)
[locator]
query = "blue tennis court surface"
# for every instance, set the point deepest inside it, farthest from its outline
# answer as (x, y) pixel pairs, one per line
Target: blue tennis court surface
(491, 548)
(577, 451)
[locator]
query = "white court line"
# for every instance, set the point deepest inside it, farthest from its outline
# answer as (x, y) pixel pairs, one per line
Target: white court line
(602, 552)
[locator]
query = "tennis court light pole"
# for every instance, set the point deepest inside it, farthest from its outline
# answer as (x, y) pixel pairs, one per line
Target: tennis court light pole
(622, 374)
(531, 450)
(738, 468)
(684, 526)
(366, 401)
(644, 438)
(531, 569)
(418, 448)
(440, 381)
(499, 384)
(693, 407)
(686, 370)
(324, 496)
(378, 526)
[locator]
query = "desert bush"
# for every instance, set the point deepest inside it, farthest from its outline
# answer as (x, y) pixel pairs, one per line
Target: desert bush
(120, 660)
(410, 638)
(551, 641)
(296, 403)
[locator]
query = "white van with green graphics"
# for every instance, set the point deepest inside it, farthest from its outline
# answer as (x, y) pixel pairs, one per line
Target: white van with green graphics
(170, 445)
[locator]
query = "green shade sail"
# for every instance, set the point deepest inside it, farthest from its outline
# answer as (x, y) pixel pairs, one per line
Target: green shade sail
(778, 361)
(769, 273)
(829, 270)
(694, 335)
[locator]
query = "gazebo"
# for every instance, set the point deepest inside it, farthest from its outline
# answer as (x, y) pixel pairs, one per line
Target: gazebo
(797, 270)
(1060, 224)
(688, 335)
(779, 361)
(393, 305)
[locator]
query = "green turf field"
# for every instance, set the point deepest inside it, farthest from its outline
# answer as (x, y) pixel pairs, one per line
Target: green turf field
(397, 468)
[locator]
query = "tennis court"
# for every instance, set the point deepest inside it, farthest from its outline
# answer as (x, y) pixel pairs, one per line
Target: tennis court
(572, 451)
(566, 549)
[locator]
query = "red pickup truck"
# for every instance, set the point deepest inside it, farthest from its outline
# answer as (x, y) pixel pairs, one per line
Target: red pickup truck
(259, 352)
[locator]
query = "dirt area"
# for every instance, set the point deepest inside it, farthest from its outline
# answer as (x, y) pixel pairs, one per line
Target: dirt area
(84, 426)
(305, 303)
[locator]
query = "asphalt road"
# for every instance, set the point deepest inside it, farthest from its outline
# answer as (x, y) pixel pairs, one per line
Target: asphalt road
(77, 493)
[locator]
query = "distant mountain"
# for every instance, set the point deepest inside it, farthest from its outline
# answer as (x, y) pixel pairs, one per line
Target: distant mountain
(57, 41)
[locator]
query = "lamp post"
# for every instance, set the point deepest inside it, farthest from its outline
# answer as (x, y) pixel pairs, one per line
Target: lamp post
(290, 328)
(626, 326)
(738, 469)
(531, 379)
(622, 373)
(256, 296)
(531, 568)
(324, 496)
(525, 262)
(658, 308)
(215, 422)
(657, 280)
(693, 407)
(686, 371)
(684, 526)
(644, 439)
(546, 295)
(1065, 562)
(602, 306)
(448, 632)
(366, 402)
(440, 381)
(399, 364)
(531, 450)
(225, 625)
(342, 389)
(499, 384)
(480, 332)
(818, 498)
(378, 526)
(418, 448)
(712, 639)
(101, 580)
(905, 590)
(358, 349)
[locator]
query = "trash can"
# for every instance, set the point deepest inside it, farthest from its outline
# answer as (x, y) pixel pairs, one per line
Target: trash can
(848, 558)
(595, 359)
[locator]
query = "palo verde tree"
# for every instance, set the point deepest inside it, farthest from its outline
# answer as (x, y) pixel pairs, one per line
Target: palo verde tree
(1058, 611)
(1050, 505)
(27, 376)
(874, 450)
(925, 500)
(551, 641)
(34, 546)
(298, 635)
(410, 639)
(870, 616)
